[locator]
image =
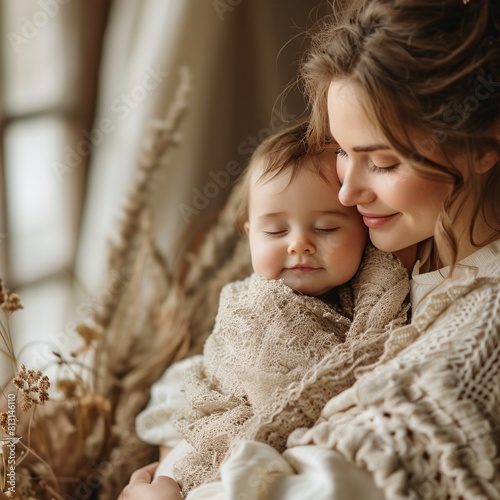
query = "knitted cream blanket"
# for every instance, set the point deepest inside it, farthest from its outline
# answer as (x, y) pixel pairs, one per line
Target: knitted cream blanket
(269, 347)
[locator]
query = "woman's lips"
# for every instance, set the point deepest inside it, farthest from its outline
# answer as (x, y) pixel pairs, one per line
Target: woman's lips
(374, 221)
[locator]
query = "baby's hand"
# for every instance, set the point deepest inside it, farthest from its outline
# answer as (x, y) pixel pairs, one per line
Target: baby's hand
(142, 485)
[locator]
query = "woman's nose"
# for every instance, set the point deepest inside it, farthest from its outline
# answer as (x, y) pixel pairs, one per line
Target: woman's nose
(301, 243)
(355, 189)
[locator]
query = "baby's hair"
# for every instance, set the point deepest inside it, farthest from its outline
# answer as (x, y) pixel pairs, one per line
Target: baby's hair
(428, 72)
(283, 151)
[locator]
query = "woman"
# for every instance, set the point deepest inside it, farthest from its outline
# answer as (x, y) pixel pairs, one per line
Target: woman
(410, 92)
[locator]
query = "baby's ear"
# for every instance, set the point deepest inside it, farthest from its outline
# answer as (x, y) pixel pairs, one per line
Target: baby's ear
(246, 227)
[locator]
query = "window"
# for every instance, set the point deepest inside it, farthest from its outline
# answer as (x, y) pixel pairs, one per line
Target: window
(49, 58)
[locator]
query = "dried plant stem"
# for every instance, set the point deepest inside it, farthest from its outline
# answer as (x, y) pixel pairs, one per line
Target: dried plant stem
(163, 138)
(29, 450)
(7, 340)
(28, 446)
(76, 374)
(3, 475)
(38, 457)
(53, 492)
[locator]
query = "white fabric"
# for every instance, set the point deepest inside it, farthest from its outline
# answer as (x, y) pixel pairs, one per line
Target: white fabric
(257, 471)
(180, 450)
(166, 398)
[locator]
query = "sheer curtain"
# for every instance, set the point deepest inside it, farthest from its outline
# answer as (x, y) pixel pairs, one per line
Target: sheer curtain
(49, 55)
(240, 60)
(81, 82)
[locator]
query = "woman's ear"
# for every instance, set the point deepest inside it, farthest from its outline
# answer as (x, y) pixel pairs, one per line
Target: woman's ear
(487, 162)
(246, 227)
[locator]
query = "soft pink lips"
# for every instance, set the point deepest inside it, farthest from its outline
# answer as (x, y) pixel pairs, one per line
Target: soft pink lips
(374, 221)
(303, 268)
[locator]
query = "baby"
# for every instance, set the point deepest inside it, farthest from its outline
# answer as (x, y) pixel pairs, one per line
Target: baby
(273, 328)
(297, 229)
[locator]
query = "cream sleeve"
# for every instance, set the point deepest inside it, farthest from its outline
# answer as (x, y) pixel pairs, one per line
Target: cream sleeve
(154, 424)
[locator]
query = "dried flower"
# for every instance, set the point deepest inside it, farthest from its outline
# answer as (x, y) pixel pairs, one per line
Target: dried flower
(24, 484)
(4, 419)
(95, 404)
(89, 333)
(34, 386)
(13, 303)
(68, 387)
(9, 302)
(3, 293)
(98, 416)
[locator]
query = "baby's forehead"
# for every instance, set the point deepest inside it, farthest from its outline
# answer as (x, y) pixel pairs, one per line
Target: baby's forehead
(323, 166)
(310, 190)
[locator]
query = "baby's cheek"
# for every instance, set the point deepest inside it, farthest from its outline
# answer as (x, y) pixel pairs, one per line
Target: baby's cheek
(266, 262)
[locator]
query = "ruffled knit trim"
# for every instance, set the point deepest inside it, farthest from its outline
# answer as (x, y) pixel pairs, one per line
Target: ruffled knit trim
(422, 441)
(434, 304)
(410, 422)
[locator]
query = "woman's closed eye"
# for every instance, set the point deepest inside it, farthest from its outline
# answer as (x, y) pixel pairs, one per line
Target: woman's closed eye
(326, 230)
(383, 169)
(375, 168)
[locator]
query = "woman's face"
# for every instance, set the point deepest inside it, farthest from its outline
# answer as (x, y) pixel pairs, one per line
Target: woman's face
(399, 207)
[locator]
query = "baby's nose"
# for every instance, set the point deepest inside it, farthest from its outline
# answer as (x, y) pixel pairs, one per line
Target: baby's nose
(301, 244)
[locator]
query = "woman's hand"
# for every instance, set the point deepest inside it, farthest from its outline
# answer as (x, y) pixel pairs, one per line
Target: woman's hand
(142, 485)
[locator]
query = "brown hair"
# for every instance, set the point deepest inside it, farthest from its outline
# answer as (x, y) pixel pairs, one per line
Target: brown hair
(287, 149)
(430, 66)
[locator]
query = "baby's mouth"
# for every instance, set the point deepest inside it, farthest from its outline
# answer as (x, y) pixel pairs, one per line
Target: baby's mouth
(304, 268)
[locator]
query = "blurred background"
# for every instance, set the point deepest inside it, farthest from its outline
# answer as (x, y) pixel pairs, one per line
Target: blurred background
(81, 81)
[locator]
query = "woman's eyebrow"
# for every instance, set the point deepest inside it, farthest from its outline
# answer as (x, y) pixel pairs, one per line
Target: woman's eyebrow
(369, 149)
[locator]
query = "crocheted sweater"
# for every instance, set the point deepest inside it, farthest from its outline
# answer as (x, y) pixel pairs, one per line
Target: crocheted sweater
(269, 347)
(424, 422)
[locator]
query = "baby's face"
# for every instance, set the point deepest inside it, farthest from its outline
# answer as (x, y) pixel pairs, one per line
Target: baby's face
(301, 233)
